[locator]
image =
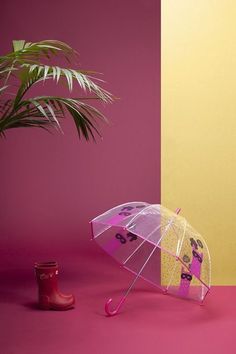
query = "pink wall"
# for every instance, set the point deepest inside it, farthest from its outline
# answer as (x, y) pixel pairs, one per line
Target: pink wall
(52, 185)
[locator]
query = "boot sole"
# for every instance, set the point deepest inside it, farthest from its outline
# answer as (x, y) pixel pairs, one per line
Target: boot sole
(46, 305)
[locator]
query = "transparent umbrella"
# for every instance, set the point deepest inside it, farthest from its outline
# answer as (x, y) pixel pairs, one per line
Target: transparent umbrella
(157, 245)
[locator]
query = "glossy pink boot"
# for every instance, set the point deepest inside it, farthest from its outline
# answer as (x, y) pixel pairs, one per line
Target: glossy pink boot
(50, 298)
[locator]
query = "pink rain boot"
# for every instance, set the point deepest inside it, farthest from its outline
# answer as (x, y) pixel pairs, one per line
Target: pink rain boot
(50, 298)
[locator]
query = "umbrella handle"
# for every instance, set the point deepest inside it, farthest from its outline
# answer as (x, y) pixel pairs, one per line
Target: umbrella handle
(115, 311)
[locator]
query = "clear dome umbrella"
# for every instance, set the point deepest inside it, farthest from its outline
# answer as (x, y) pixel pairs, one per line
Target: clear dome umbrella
(157, 245)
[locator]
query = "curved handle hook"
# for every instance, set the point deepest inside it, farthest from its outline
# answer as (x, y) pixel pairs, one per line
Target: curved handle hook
(115, 311)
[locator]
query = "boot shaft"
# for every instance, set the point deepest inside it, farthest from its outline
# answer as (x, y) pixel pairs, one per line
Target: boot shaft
(46, 275)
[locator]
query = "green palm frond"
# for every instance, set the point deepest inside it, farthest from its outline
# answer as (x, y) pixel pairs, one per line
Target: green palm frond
(24, 51)
(25, 66)
(32, 53)
(38, 73)
(50, 109)
(3, 88)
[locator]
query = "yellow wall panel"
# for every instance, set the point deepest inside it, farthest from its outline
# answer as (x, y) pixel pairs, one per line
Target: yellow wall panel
(199, 123)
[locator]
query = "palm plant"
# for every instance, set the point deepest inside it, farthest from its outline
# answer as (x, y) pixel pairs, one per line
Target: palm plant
(28, 65)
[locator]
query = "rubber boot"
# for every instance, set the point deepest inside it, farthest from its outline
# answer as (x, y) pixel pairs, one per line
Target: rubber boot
(49, 297)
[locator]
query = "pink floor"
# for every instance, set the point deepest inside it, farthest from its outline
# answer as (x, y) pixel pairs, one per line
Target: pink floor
(149, 322)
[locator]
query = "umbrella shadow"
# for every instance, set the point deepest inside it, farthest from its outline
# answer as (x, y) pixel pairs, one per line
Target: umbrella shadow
(171, 309)
(117, 294)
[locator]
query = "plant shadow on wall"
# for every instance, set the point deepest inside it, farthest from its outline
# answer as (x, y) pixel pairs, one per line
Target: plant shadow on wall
(29, 65)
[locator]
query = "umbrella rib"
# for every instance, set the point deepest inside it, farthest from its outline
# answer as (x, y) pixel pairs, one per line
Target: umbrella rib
(136, 249)
(193, 274)
(171, 277)
(169, 224)
(155, 247)
(160, 226)
(140, 272)
(135, 279)
(180, 242)
(177, 254)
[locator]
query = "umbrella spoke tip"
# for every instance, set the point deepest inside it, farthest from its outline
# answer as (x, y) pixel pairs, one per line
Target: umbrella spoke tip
(178, 210)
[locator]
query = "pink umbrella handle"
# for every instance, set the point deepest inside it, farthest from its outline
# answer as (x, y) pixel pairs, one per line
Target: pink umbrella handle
(113, 312)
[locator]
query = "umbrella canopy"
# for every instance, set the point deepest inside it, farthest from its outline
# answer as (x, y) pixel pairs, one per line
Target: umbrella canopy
(157, 245)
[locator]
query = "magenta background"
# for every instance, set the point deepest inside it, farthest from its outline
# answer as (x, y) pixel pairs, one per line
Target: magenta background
(52, 185)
